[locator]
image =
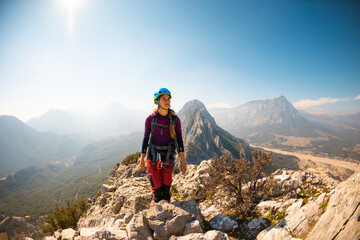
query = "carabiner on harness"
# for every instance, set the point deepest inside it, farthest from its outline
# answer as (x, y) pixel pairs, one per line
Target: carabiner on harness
(158, 161)
(159, 165)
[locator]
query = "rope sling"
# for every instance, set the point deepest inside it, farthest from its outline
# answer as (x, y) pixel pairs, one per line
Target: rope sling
(156, 150)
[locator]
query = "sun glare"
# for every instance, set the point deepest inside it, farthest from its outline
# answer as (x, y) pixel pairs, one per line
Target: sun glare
(70, 6)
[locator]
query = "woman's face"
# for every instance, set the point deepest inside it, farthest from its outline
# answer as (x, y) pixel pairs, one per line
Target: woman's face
(165, 101)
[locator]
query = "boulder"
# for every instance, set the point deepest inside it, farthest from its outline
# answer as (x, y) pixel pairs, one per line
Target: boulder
(223, 223)
(190, 185)
(297, 205)
(341, 219)
(257, 223)
(302, 219)
(275, 233)
(57, 235)
(68, 234)
(209, 211)
(321, 198)
(137, 203)
(110, 233)
(167, 219)
(193, 227)
(266, 207)
(193, 208)
(210, 235)
(138, 228)
(107, 188)
(88, 232)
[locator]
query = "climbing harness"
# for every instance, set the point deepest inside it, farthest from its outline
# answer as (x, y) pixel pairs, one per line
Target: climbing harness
(157, 152)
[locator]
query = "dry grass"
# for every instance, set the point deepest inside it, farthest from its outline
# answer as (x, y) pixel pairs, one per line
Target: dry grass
(298, 141)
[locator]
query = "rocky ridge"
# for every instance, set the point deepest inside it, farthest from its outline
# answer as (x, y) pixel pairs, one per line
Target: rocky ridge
(123, 209)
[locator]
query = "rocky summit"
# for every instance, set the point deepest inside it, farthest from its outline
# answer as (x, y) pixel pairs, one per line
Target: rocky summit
(311, 208)
(204, 139)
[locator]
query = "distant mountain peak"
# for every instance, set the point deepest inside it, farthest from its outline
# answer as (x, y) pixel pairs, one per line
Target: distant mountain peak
(196, 105)
(203, 138)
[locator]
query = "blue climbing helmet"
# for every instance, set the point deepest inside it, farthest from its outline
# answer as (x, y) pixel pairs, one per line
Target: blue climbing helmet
(162, 91)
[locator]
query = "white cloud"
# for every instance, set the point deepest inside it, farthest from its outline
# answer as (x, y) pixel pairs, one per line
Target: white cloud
(218, 105)
(308, 103)
(357, 97)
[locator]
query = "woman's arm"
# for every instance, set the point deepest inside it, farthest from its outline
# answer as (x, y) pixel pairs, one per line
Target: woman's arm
(145, 142)
(180, 146)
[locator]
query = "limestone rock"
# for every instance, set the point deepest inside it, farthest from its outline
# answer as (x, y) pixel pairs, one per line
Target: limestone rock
(209, 211)
(266, 207)
(114, 234)
(57, 235)
(110, 232)
(88, 232)
(299, 223)
(257, 223)
(275, 233)
(138, 228)
(193, 208)
(193, 227)
(223, 223)
(167, 220)
(297, 205)
(341, 219)
(210, 235)
(107, 188)
(137, 203)
(190, 185)
(68, 234)
(49, 238)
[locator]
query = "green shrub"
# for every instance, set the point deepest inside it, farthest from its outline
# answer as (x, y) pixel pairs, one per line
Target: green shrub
(131, 159)
(64, 217)
(275, 217)
(324, 205)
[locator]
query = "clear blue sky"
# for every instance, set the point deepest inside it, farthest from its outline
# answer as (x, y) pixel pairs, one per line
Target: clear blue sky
(85, 53)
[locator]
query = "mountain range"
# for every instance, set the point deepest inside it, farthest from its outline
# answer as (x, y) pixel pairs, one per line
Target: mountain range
(113, 120)
(276, 123)
(21, 146)
(58, 163)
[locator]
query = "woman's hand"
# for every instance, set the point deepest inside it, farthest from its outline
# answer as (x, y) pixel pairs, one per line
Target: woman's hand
(142, 162)
(183, 168)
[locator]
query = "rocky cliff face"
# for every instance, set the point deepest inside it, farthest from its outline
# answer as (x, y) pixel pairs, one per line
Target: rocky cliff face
(342, 217)
(123, 209)
(203, 138)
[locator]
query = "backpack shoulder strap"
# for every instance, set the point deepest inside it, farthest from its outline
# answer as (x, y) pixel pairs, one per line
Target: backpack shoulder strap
(174, 119)
(153, 121)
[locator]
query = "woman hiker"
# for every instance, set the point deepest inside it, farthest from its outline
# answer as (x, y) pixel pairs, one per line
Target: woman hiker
(162, 138)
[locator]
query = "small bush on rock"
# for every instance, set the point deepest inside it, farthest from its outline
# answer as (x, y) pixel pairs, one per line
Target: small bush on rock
(131, 159)
(233, 181)
(64, 217)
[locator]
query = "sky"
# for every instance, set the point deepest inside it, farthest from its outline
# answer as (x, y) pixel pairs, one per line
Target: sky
(83, 54)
